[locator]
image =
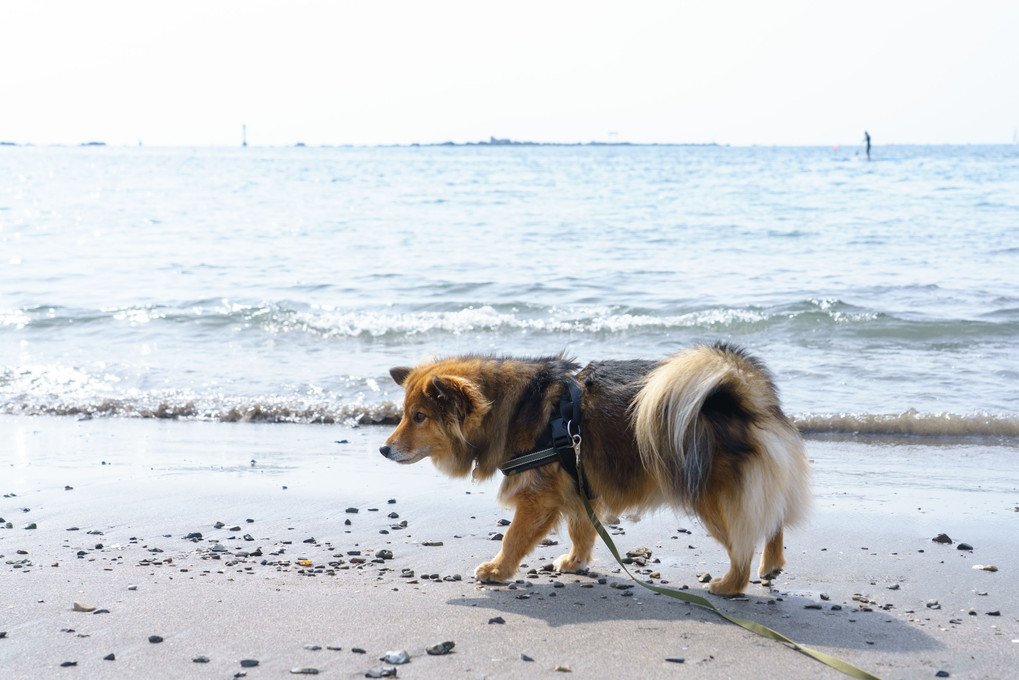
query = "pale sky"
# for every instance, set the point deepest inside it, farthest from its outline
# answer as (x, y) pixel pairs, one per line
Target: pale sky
(383, 72)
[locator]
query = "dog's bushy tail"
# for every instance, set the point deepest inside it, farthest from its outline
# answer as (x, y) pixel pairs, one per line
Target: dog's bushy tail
(713, 406)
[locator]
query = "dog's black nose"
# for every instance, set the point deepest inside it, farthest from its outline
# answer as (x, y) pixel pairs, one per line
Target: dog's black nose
(385, 450)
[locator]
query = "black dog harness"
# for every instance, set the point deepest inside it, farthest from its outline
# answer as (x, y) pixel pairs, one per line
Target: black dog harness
(555, 445)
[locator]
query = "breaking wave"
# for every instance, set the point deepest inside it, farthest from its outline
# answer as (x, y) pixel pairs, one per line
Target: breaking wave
(383, 322)
(911, 423)
(387, 412)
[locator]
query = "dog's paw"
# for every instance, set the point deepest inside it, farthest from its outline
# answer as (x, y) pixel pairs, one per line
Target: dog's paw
(491, 572)
(567, 563)
(719, 586)
(769, 574)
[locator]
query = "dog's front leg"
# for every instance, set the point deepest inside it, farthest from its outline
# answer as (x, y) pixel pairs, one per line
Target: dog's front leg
(582, 535)
(531, 522)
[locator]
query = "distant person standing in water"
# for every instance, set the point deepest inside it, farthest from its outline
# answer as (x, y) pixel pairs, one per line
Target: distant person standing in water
(866, 138)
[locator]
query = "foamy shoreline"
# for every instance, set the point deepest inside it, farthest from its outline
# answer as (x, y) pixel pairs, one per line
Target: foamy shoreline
(147, 485)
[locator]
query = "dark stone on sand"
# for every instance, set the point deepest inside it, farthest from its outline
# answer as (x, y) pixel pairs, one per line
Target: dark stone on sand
(110, 657)
(964, 546)
(441, 649)
(495, 536)
(155, 639)
(101, 611)
(357, 650)
(524, 657)
(352, 511)
(994, 613)
(31, 526)
(200, 659)
(942, 674)
(346, 522)
(942, 538)
(249, 663)
(304, 671)
(384, 554)
(384, 672)
(3, 634)
(68, 664)
(675, 659)
(393, 515)
(497, 619)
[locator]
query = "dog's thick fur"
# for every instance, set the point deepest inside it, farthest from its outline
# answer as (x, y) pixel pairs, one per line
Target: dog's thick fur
(701, 431)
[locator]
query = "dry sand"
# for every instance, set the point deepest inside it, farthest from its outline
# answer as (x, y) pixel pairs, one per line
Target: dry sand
(113, 502)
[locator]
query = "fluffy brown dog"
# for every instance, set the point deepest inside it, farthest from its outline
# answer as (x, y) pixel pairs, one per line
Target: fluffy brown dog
(701, 431)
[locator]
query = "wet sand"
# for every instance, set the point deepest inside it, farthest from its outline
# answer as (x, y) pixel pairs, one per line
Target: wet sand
(278, 562)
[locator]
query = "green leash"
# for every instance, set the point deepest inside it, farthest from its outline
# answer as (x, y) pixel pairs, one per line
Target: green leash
(754, 627)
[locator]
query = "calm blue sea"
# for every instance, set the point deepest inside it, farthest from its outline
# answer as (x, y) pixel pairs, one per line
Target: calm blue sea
(281, 284)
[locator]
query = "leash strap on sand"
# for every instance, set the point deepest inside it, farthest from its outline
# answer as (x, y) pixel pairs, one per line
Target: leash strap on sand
(754, 627)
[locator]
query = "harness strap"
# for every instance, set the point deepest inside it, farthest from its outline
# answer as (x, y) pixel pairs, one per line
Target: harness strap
(556, 442)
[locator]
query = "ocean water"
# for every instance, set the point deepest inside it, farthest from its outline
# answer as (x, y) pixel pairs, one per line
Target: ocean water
(280, 284)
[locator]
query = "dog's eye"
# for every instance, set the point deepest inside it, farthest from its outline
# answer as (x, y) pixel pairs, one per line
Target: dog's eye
(420, 417)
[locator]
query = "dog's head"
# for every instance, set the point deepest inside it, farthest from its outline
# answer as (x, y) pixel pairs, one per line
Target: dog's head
(442, 412)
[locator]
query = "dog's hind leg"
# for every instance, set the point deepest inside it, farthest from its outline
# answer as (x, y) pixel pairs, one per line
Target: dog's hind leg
(582, 535)
(773, 557)
(531, 522)
(737, 541)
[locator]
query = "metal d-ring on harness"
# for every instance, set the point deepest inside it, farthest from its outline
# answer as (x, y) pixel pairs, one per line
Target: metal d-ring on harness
(561, 443)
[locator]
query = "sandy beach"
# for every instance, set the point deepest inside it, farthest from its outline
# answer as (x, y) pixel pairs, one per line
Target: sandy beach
(299, 547)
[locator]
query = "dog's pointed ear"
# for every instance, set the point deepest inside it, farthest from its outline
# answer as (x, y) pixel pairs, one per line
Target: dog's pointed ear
(400, 374)
(461, 393)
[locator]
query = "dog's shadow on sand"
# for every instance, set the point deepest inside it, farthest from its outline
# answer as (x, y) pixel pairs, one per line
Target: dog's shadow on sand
(583, 600)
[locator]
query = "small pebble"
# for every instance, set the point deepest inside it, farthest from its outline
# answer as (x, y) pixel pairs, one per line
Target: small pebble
(704, 577)
(155, 639)
(563, 669)
(381, 673)
(675, 659)
(942, 538)
(200, 659)
(68, 664)
(396, 658)
(312, 648)
(941, 674)
(82, 607)
(249, 663)
(357, 650)
(524, 657)
(985, 567)
(441, 648)
(994, 613)
(964, 546)
(497, 619)
(304, 671)
(109, 657)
